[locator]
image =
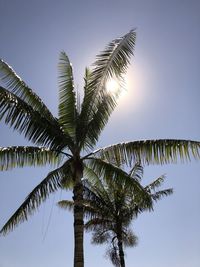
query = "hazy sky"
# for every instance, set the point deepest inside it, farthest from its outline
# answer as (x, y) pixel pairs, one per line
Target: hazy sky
(162, 102)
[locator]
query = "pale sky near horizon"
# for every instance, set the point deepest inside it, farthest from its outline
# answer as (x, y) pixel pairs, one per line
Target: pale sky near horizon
(162, 101)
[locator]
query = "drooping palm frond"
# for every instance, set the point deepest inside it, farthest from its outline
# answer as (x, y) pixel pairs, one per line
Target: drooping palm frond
(112, 253)
(94, 188)
(66, 205)
(88, 207)
(161, 151)
(156, 183)
(162, 193)
(97, 103)
(110, 172)
(14, 83)
(99, 224)
(67, 102)
(21, 156)
(137, 172)
(154, 194)
(31, 123)
(39, 194)
(129, 238)
(100, 236)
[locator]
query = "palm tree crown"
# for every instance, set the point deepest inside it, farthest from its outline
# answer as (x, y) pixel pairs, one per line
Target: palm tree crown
(68, 141)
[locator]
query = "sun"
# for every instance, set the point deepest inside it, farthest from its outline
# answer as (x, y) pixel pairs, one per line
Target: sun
(112, 86)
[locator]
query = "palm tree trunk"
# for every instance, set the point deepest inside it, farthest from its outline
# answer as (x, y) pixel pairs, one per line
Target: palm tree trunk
(78, 218)
(121, 251)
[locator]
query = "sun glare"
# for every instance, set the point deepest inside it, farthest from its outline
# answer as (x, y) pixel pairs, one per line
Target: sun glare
(112, 86)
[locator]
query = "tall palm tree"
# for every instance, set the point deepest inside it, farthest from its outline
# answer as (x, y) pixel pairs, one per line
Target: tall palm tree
(69, 141)
(110, 208)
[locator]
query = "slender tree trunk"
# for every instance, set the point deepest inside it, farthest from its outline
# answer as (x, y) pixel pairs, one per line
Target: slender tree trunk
(78, 217)
(121, 250)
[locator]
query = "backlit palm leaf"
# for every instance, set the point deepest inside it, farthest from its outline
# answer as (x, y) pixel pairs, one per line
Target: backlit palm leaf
(100, 118)
(31, 123)
(39, 194)
(67, 102)
(151, 151)
(20, 156)
(111, 63)
(14, 83)
(110, 172)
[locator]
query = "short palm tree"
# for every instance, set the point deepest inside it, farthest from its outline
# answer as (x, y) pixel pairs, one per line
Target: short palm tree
(69, 141)
(110, 206)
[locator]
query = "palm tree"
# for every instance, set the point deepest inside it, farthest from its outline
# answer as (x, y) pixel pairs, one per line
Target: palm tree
(68, 142)
(111, 207)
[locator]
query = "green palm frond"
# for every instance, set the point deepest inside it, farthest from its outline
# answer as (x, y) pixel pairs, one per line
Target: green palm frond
(113, 61)
(88, 207)
(67, 101)
(100, 118)
(82, 123)
(161, 151)
(39, 194)
(31, 123)
(98, 224)
(162, 193)
(97, 205)
(137, 172)
(112, 173)
(94, 188)
(14, 83)
(21, 156)
(97, 103)
(100, 237)
(66, 205)
(156, 183)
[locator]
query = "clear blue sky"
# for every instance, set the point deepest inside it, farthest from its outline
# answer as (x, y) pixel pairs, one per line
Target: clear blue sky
(162, 102)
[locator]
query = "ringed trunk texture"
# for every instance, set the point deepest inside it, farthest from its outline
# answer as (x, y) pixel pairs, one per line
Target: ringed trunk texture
(78, 218)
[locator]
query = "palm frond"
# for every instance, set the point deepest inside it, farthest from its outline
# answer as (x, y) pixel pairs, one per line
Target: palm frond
(162, 193)
(66, 205)
(67, 101)
(113, 174)
(39, 194)
(96, 203)
(100, 237)
(100, 118)
(98, 224)
(112, 253)
(97, 103)
(129, 238)
(161, 151)
(82, 122)
(114, 60)
(89, 208)
(94, 187)
(31, 123)
(21, 156)
(14, 83)
(155, 184)
(137, 172)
